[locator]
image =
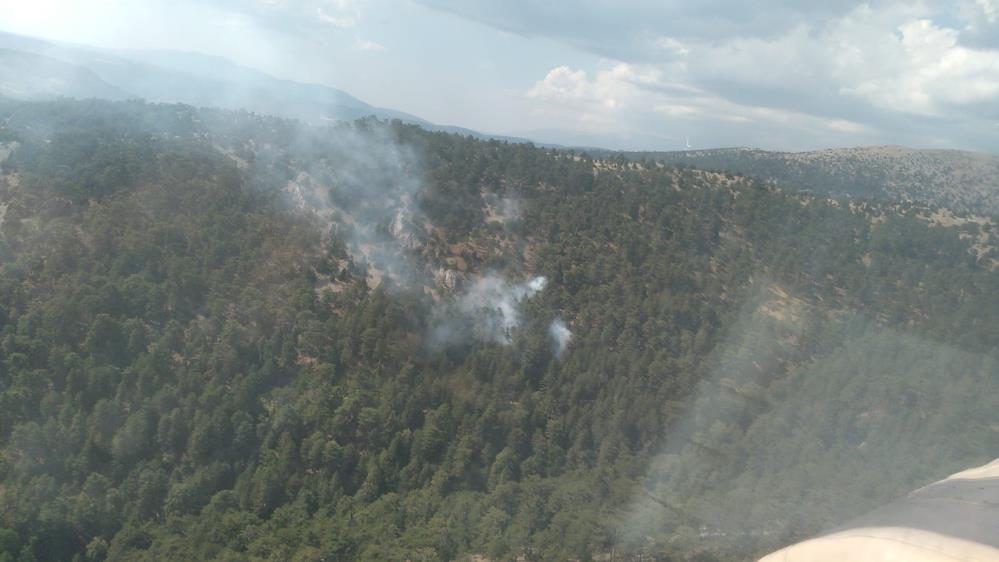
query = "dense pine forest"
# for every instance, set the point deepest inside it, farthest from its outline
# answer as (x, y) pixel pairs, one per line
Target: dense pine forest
(232, 337)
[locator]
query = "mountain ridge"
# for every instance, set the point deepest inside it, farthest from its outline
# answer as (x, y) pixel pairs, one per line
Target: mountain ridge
(32, 76)
(208, 81)
(964, 180)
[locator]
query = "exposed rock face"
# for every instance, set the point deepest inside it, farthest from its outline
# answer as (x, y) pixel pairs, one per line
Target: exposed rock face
(447, 278)
(402, 231)
(302, 192)
(954, 519)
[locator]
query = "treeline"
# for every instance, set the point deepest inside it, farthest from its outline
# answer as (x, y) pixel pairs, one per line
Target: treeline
(960, 180)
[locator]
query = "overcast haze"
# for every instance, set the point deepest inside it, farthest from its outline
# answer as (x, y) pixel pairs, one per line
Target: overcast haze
(635, 75)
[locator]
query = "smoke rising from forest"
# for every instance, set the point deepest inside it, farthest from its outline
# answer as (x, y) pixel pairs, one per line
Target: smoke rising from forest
(368, 184)
(560, 335)
(493, 303)
(490, 310)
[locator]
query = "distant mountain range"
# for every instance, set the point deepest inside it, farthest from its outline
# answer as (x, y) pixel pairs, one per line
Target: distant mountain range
(34, 69)
(32, 76)
(962, 180)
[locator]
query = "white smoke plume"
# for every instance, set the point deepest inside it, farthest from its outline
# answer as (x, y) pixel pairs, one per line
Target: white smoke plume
(489, 310)
(503, 210)
(561, 336)
(493, 303)
(365, 183)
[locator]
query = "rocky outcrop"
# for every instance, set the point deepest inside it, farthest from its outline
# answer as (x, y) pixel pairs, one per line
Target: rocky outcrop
(402, 231)
(448, 279)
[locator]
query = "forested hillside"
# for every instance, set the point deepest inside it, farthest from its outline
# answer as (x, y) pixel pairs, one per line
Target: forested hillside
(961, 180)
(233, 337)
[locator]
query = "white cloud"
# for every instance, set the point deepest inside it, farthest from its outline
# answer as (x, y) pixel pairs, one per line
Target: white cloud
(367, 45)
(642, 96)
(929, 72)
(336, 19)
(672, 46)
(990, 9)
(845, 126)
(563, 84)
(916, 71)
(876, 67)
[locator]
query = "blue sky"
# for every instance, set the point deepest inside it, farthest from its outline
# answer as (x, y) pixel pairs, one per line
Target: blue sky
(624, 74)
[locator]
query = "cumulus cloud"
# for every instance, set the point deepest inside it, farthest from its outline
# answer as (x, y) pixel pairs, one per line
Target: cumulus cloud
(835, 73)
(785, 74)
(642, 95)
(892, 60)
(563, 84)
(931, 72)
